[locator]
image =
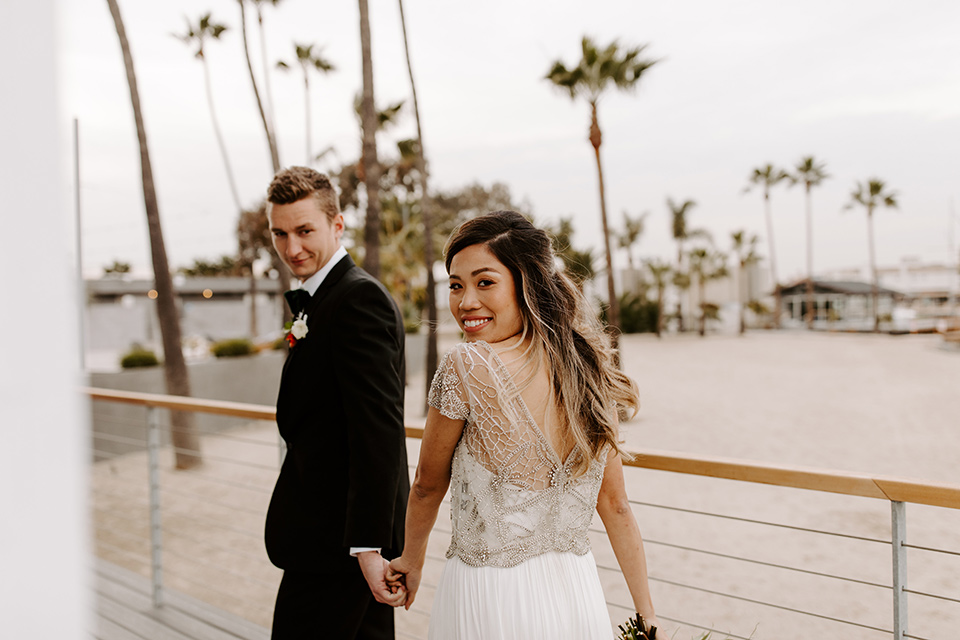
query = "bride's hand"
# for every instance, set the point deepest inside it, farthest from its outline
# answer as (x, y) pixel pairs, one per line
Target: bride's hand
(404, 572)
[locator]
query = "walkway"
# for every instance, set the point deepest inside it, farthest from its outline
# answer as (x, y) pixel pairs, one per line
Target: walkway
(124, 612)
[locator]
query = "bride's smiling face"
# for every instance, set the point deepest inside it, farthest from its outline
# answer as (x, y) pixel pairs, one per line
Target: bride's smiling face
(483, 296)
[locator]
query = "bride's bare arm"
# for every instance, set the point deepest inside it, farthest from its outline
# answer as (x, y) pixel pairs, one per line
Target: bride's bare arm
(440, 437)
(624, 535)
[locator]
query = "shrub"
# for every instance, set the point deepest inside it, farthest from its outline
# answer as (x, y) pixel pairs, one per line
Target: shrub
(279, 344)
(232, 348)
(637, 314)
(138, 357)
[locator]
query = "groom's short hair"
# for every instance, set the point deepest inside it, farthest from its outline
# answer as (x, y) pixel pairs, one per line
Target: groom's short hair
(296, 183)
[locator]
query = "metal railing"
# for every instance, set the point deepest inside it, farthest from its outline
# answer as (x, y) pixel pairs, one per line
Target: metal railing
(200, 531)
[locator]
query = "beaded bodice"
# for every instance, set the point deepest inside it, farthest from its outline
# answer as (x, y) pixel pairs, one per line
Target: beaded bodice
(511, 496)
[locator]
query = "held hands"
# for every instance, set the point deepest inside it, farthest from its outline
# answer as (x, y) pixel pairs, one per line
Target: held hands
(403, 574)
(375, 569)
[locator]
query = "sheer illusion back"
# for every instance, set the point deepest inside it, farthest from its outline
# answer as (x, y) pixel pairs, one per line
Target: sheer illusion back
(512, 496)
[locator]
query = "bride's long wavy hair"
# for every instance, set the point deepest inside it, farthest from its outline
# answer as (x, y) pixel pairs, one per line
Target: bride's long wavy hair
(591, 391)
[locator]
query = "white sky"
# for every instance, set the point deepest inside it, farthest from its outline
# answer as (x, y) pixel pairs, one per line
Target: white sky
(871, 87)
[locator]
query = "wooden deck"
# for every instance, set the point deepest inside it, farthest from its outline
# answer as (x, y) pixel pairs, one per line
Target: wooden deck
(124, 612)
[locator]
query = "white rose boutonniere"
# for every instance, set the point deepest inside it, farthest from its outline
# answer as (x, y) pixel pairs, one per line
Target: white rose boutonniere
(296, 330)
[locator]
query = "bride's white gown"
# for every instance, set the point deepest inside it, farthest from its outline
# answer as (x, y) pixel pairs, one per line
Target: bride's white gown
(519, 566)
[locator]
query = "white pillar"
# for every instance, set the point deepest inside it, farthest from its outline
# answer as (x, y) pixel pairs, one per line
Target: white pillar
(44, 591)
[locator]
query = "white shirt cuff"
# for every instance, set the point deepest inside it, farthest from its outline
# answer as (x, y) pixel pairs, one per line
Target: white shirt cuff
(355, 550)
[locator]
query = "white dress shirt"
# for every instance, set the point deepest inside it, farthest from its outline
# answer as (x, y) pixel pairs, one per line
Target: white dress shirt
(311, 284)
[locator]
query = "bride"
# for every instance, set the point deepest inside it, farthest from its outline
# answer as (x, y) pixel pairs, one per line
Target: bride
(522, 428)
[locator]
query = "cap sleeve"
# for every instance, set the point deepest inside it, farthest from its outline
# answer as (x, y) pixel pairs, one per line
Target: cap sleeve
(447, 393)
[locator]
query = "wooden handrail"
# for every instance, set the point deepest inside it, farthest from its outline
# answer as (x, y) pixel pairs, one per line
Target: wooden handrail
(183, 403)
(846, 483)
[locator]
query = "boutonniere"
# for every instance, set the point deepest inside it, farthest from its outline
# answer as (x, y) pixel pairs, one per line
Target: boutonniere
(297, 329)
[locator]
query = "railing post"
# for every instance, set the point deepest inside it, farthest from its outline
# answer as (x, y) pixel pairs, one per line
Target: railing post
(153, 472)
(898, 532)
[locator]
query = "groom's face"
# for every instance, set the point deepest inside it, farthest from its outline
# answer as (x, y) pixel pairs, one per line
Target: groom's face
(304, 236)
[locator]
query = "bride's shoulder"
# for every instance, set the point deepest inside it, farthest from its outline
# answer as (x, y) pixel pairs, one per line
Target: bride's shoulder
(476, 358)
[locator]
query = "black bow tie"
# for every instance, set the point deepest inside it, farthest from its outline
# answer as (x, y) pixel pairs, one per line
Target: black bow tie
(297, 299)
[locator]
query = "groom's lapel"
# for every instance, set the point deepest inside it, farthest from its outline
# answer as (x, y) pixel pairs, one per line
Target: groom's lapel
(310, 309)
(336, 274)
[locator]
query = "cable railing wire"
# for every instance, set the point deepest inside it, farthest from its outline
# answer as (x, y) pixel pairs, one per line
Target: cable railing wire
(214, 458)
(210, 565)
(110, 437)
(205, 502)
(173, 533)
(948, 552)
(726, 634)
(228, 483)
(218, 525)
(228, 436)
(206, 585)
(765, 604)
(768, 564)
(760, 522)
(932, 595)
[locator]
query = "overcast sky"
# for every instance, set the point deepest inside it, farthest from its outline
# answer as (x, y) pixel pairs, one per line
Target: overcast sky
(871, 87)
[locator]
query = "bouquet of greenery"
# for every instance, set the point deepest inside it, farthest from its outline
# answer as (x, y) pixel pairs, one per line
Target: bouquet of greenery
(636, 629)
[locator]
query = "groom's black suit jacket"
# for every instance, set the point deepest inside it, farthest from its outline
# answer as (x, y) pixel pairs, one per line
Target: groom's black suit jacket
(344, 481)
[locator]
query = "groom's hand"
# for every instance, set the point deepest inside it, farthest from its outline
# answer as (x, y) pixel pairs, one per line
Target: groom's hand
(374, 569)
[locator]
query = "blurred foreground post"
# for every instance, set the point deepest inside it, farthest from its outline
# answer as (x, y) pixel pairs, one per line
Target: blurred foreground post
(44, 446)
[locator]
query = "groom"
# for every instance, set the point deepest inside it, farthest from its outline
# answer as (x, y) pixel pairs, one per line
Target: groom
(341, 495)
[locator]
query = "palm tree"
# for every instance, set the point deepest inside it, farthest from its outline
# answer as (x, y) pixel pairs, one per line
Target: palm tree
(682, 233)
(426, 218)
(307, 60)
(707, 265)
(768, 176)
(871, 195)
(660, 271)
(594, 73)
(196, 35)
(745, 250)
(183, 433)
(811, 173)
(267, 120)
(259, 4)
(371, 166)
(632, 230)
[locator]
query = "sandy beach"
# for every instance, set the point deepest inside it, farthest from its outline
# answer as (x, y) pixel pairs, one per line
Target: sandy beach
(884, 405)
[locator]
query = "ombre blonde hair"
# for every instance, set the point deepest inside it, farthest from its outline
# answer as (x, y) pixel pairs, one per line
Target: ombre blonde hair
(590, 390)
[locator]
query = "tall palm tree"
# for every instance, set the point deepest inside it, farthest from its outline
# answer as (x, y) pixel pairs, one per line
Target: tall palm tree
(707, 265)
(596, 70)
(870, 195)
(196, 36)
(258, 5)
(371, 165)
(681, 233)
(425, 216)
(183, 434)
(745, 250)
(307, 60)
(811, 173)
(264, 117)
(769, 176)
(660, 271)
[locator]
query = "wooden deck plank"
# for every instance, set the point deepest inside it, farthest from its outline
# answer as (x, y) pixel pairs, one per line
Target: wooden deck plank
(123, 600)
(137, 621)
(107, 629)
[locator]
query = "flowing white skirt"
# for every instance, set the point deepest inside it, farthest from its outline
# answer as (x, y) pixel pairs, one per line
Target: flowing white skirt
(554, 596)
